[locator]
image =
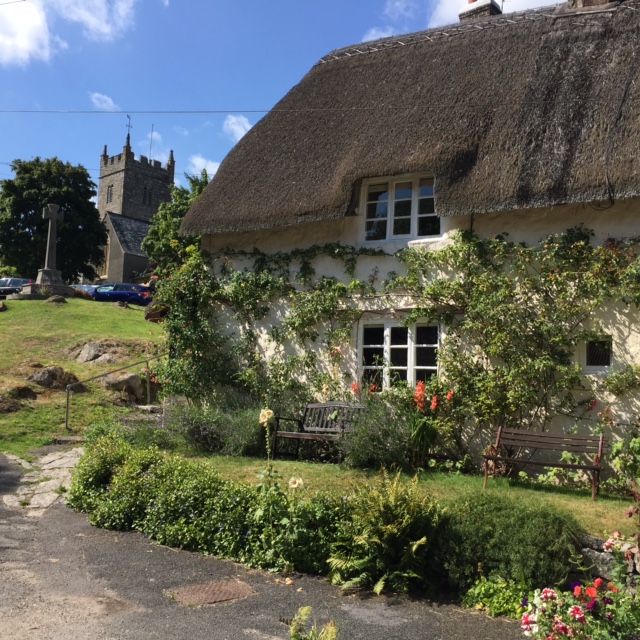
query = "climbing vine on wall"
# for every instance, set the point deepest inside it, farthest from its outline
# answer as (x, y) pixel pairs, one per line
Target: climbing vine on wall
(511, 315)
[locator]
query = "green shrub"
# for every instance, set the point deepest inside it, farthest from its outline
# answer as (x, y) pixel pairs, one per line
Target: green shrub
(125, 503)
(489, 532)
(384, 542)
(193, 508)
(95, 470)
(234, 432)
(497, 596)
(379, 438)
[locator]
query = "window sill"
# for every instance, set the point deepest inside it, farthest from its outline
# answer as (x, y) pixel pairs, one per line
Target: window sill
(420, 242)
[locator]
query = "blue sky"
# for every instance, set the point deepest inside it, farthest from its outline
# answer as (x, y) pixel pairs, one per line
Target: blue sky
(230, 59)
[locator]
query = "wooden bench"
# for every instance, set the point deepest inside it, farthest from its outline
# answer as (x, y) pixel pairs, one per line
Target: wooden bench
(508, 440)
(324, 421)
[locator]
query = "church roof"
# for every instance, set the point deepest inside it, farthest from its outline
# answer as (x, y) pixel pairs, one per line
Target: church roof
(524, 110)
(130, 232)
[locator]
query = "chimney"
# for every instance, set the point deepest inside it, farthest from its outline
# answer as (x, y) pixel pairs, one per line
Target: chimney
(485, 8)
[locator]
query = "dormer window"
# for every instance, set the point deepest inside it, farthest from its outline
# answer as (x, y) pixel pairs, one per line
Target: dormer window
(400, 208)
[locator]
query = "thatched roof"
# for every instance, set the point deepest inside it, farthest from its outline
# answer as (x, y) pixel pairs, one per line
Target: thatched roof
(518, 111)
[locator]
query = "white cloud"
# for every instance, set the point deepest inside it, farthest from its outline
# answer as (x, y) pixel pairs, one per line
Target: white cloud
(25, 36)
(165, 3)
(181, 131)
(101, 19)
(102, 102)
(197, 163)
(25, 33)
(399, 9)
(446, 11)
(235, 126)
(376, 33)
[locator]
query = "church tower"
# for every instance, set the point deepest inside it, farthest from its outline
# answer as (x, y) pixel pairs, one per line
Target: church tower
(133, 188)
(129, 194)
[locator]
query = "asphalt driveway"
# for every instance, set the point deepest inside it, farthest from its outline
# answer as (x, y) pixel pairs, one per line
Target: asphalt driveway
(61, 578)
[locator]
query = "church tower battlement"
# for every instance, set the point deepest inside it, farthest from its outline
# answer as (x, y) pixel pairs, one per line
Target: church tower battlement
(133, 188)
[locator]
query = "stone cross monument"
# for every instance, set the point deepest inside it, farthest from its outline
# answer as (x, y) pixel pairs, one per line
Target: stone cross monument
(50, 275)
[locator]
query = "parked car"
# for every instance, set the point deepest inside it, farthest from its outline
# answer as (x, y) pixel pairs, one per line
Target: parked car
(12, 285)
(121, 292)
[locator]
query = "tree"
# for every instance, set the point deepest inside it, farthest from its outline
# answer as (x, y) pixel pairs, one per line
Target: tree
(23, 231)
(164, 245)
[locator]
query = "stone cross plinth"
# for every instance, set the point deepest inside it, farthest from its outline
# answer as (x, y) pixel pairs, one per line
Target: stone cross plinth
(50, 275)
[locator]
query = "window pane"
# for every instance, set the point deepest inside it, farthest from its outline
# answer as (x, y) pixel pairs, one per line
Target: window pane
(426, 188)
(424, 374)
(402, 209)
(426, 356)
(402, 227)
(403, 190)
(399, 335)
(376, 230)
(372, 356)
(377, 210)
(373, 336)
(399, 357)
(426, 334)
(398, 375)
(426, 206)
(429, 226)
(599, 353)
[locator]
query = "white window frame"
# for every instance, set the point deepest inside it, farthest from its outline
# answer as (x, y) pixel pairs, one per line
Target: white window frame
(386, 367)
(392, 183)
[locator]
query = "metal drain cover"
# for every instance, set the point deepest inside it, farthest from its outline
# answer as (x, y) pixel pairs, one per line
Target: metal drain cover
(212, 592)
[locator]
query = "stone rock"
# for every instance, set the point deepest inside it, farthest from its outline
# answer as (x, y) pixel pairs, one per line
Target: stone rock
(3, 306)
(91, 351)
(591, 542)
(56, 300)
(8, 405)
(55, 378)
(599, 564)
(127, 383)
(105, 358)
(22, 393)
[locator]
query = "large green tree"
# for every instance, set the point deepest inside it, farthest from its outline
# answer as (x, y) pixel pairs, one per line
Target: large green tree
(164, 245)
(23, 231)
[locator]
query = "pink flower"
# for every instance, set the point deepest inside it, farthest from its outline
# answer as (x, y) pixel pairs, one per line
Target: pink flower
(616, 535)
(548, 594)
(560, 627)
(528, 621)
(577, 613)
(607, 545)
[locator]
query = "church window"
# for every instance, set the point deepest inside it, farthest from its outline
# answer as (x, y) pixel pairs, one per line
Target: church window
(109, 193)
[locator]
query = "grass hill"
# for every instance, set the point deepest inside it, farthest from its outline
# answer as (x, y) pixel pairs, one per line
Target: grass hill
(34, 333)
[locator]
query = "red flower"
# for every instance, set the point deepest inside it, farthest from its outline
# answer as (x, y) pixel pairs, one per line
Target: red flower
(597, 583)
(434, 403)
(419, 396)
(592, 592)
(450, 395)
(355, 388)
(373, 388)
(577, 591)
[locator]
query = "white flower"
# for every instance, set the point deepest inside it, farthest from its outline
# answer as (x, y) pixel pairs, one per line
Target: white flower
(295, 483)
(265, 416)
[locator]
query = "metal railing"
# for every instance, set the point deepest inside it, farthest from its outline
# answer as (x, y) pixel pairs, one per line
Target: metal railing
(108, 373)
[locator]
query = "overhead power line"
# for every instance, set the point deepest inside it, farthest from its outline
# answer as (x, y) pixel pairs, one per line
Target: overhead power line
(12, 2)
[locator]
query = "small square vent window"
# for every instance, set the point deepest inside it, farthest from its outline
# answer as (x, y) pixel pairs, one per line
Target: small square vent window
(599, 353)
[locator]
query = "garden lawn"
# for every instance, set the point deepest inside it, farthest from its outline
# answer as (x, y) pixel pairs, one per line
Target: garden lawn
(598, 518)
(36, 332)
